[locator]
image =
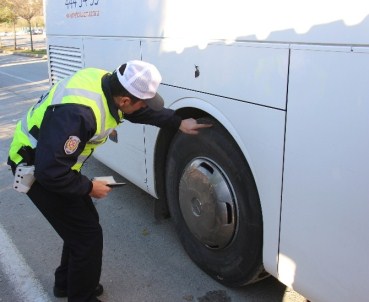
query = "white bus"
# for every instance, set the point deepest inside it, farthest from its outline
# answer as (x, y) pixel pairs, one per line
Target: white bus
(280, 184)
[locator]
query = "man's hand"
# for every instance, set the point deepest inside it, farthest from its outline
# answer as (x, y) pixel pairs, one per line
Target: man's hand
(190, 126)
(99, 189)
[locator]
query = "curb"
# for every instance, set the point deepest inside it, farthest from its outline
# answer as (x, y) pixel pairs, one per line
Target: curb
(24, 54)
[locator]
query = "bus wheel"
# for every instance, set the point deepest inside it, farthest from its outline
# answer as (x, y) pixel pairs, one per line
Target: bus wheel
(214, 204)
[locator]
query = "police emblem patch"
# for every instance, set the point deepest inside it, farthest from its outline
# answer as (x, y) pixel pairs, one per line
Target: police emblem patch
(71, 144)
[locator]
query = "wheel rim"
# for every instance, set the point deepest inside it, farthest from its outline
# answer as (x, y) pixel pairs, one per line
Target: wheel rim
(208, 204)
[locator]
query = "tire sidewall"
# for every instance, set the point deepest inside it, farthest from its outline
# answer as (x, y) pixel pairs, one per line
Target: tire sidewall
(239, 260)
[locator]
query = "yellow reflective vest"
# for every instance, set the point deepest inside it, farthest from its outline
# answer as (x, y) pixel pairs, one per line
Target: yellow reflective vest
(83, 88)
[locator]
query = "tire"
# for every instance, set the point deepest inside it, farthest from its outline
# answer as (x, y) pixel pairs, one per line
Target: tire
(214, 204)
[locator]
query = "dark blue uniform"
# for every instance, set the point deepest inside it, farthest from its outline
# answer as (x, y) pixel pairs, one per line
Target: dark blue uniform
(62, 194)
(53, 167)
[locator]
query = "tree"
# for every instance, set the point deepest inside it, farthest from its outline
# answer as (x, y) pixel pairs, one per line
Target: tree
(8, 15)
(26, 9)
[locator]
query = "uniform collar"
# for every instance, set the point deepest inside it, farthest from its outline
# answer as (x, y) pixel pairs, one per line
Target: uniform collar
(114, 111)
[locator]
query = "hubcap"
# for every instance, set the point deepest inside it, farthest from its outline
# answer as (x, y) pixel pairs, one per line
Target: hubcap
(207, 203)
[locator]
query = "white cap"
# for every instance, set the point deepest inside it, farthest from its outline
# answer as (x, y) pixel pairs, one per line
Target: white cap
(142, 80)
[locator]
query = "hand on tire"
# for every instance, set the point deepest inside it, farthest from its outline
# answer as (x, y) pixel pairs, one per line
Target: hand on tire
(190, 126)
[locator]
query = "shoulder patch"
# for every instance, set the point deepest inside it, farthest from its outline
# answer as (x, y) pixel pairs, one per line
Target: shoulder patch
(71, 144)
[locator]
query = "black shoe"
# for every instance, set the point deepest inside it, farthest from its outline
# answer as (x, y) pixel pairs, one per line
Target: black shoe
(61, 293)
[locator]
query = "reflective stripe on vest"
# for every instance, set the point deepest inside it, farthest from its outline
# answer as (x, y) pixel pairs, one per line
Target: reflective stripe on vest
(32, 140)
(61, 91)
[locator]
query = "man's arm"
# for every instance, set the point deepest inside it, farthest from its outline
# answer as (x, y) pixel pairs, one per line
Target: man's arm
(64, 132)
(165, 118)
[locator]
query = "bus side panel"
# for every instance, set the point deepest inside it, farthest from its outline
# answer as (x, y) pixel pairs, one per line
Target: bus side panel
(251, 72)
(127, 156)
(258, 130)
(105, 18)
(324, 227)
(262, 20)
(109, 53)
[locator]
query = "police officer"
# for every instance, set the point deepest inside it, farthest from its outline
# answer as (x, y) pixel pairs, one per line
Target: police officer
(58, 135)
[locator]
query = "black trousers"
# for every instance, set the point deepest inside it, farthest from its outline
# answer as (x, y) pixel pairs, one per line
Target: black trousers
(76, 221)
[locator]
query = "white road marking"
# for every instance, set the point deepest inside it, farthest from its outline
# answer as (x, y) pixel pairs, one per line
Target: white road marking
(16, 77)
(19, 274)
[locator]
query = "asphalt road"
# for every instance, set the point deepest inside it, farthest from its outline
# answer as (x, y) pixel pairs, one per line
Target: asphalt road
(143, 260)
